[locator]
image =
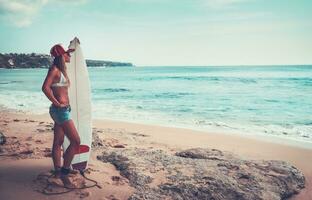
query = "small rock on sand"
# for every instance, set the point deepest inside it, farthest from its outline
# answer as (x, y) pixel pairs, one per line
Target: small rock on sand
(111, 197)
(84, 194)
(38, 141)
(56, 182)
(40, 130)
(26, 151)
(2, 138)
(119, 146)
(47, 152)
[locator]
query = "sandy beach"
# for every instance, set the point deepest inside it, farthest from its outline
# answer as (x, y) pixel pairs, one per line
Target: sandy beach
(27, 153)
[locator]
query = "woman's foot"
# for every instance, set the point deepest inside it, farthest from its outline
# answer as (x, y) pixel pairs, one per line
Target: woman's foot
(65, 177)
(57, 172)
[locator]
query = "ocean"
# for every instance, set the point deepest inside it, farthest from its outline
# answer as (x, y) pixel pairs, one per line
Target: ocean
(251, 100)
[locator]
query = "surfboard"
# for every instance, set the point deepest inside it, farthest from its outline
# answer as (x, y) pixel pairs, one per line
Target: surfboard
(80, 102)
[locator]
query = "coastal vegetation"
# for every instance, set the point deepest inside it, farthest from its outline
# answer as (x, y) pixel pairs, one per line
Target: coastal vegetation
(34, 60)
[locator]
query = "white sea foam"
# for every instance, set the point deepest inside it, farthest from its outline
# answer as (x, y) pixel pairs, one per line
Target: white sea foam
(33, 102)
(251, 101)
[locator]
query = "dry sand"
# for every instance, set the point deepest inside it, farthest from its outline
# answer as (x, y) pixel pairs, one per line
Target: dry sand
(30, 139)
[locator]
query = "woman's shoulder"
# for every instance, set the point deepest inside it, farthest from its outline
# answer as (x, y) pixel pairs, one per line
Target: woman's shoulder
(53, 69)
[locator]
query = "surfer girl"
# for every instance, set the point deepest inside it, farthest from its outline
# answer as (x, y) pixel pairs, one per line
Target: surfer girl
(55, 87)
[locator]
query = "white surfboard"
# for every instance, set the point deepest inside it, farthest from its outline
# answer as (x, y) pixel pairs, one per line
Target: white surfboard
(80, 102)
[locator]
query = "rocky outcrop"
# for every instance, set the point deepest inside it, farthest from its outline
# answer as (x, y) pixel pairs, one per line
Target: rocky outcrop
(203, 174)
(33, 60)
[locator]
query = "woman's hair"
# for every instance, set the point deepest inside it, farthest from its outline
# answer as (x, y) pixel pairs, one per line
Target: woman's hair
(60, 63)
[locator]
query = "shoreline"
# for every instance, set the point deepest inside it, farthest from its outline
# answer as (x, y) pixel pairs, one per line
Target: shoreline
(278, 139)
(171, 139)
(256, 136)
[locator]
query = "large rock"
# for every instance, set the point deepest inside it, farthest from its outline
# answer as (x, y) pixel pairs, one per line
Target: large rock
(203, 174)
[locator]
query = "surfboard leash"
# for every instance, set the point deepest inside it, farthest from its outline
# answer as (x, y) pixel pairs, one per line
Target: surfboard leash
(82, 172)
(69, 189)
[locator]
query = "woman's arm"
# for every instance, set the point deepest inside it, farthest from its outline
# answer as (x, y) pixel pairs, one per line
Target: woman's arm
(46, 87)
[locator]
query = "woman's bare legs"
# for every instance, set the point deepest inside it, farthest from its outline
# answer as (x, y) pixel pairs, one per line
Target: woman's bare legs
(72, 134)
(57, 144)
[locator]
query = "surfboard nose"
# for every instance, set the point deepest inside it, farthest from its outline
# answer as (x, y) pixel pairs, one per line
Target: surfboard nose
(73, 43)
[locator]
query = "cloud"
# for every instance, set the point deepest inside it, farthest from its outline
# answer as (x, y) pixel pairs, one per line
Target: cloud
(72, 2)
(219, 4)
(208, 3)
(21, 13)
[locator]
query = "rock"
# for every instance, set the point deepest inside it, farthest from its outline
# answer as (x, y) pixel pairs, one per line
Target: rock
(119, 146)
(118, 180)
(203, 174)
(111, 197)
(211, 154)
(96, 141)
(38, 142)
(40, 130)
(56, 182)
(84, 194)
(48, 183)
(47, 152)
(115, 178)
(138, 134)
(26, 151)
(2, 138)
(77, 180)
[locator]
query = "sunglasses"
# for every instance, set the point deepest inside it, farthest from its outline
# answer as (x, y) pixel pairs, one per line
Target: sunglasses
(68, 53)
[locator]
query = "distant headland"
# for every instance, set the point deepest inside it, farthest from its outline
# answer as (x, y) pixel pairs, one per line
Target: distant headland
(34, 60)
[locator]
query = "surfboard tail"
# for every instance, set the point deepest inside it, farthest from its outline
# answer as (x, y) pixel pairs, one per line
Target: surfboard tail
(80, 166)
(83, 149)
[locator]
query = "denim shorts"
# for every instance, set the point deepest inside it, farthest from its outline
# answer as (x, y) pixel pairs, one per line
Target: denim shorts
(60, 115)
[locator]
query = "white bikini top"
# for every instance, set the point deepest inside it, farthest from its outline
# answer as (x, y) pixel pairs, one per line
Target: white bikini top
(63, 82)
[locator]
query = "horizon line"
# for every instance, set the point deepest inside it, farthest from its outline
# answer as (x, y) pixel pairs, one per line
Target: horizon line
(243, 65)
(164, 65)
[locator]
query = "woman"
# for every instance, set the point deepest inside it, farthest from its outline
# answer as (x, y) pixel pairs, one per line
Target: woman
(55, 87)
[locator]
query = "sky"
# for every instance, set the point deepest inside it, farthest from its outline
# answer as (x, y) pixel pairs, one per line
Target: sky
(164, 32)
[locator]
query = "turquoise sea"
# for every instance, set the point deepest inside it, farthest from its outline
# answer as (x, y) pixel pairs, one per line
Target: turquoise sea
(254, 100)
